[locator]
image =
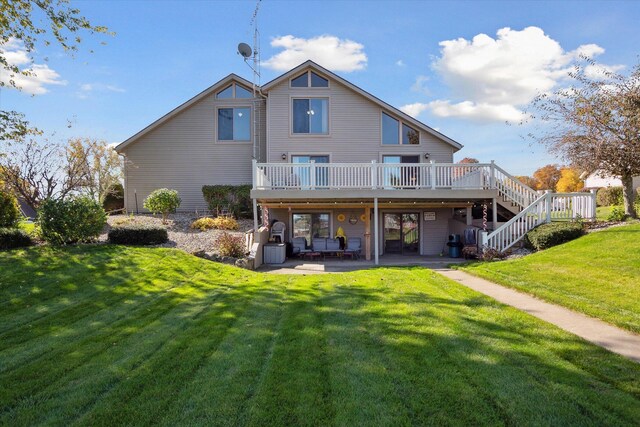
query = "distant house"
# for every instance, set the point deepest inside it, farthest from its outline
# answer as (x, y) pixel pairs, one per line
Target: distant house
(322, 154)
(601, 179)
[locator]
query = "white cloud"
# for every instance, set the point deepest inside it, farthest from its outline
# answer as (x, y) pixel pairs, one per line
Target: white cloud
(493, 78)
(595, 71)
(39, 76)
(86, 89)
(421, 86)
(414, 109)
(400, 63)
(329, 51)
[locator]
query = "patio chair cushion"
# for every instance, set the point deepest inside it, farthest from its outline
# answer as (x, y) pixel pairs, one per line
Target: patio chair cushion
(354, 244)
(333, 244)
(299, 245)
(319, 244)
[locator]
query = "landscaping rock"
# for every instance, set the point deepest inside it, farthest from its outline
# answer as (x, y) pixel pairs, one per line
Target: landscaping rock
(245, 263)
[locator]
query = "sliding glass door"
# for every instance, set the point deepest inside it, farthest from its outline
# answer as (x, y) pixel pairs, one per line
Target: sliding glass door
(401, 233)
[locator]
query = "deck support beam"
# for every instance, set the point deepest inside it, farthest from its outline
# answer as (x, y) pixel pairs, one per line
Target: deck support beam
(495, 213)
(255, 215)
(367, 233)
(376, 248)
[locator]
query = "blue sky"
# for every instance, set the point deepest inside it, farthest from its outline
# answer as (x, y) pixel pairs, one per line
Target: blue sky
(460, 67)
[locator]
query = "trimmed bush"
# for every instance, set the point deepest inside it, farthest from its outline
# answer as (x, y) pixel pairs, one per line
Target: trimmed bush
(219, 223)
(229, 245)
(164, 201)
(132, 234)
(617, 214)
(609, 196)
(547, 235)
(11, 238)
(234, 197)
(79, 219)
(9, 210)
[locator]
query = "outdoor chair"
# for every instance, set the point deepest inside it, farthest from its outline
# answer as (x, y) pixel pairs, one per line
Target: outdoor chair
(354, 246)
(277, 230)
(333, 248)
(299, 245)
(319, 244)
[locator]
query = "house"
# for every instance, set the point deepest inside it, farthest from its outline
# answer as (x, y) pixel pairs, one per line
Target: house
(602, 179)
(322, 153)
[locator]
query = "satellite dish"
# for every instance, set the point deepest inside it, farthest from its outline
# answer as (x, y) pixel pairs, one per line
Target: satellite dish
(245, 50)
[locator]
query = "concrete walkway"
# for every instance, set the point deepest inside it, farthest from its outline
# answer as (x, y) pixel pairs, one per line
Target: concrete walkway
(596, 331)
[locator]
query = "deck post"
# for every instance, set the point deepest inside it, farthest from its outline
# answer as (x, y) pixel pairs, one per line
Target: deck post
(469, 215)
(547, 202)
(494, 208)
(312, 174)
(254, 169)
(367, 233)
(432, 171)
(374, 175)
(594, 205)
(375, 230)
(255, 215)
(493, 174)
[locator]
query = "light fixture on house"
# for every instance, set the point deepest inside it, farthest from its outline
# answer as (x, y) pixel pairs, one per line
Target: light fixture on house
(284, 156)
(426, 156)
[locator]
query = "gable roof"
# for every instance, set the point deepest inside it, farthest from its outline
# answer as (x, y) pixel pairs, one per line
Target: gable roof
(312, 65)
(211, 89)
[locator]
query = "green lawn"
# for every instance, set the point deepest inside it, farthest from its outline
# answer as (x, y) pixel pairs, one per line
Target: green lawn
(598, 274)
(107, 335)
(603, 212)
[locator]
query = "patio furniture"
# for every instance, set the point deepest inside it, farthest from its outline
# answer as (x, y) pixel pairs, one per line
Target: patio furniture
(354, 246)
(319, 244)
(332, 248)
(299, 245)
(277, 230)
(311, 255)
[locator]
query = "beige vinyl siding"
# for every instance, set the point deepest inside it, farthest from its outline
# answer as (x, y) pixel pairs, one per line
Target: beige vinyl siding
(183, 154)
(435, 234)
(354, 128)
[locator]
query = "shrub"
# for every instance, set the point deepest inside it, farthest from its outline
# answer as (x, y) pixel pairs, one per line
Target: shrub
(609, 196)
(547, 235)
(73, 220)
(114, 201)
(219, 223)
(132, 234)
(617, 214)
(9, 211)
(11, 238)
(234, 197)
(490, 254)
(162, 201)
(229, 245)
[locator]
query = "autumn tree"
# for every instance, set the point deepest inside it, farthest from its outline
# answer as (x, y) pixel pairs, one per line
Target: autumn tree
(569, 181)
(31, 23)
(100, 166)
(468, 160)
(547, 177)
(595, 124)
(528, 181)
(38, 169)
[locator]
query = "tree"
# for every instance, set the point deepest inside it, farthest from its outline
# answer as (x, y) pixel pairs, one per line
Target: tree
(29, 23)
(101, 166)
(528, 181)
(595, 124)
(569, 181)
(467, 160)
(38, 170)
(547, 177)
(162, 201)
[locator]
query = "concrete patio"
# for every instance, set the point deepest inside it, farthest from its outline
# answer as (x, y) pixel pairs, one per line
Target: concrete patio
(333, 265)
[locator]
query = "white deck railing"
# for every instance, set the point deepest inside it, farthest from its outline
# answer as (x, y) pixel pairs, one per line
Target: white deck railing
(318, 176)
(547, 208)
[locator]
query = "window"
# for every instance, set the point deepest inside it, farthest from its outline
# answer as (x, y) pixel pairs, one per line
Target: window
(322, 172)
(311, 225)
(309, 79)
(234, 90)
(310, 116)
(234, 124)
(391, 134)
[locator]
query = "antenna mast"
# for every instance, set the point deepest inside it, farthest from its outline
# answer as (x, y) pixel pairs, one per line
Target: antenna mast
(256, 48)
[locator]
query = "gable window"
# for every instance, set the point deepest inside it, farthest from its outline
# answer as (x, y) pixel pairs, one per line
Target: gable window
(310, 115)
(234, 90)
(234, 124)
(309, 79)
(395, 132)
